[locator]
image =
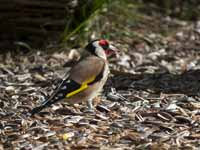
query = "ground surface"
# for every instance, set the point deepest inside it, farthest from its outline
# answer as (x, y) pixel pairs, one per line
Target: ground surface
(151, 100)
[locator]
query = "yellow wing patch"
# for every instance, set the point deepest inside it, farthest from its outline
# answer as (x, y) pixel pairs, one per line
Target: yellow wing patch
(83, 87)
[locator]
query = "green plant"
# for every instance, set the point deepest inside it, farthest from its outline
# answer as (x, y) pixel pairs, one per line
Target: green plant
(83, 15)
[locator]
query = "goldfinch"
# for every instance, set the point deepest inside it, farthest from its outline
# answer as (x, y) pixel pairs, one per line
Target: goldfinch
(86, 78)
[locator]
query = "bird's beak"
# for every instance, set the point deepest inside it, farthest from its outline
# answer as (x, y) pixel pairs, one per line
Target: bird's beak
(112, 51)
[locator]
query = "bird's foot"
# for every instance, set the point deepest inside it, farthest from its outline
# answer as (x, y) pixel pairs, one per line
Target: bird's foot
(89, 111)
(90, 108)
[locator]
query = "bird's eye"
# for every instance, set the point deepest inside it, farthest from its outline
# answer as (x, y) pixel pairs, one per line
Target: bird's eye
(104, 44)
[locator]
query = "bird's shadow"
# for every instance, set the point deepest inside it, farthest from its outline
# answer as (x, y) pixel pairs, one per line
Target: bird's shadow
(187, 83)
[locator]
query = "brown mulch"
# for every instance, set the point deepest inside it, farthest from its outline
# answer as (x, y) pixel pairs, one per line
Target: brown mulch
(151, 100)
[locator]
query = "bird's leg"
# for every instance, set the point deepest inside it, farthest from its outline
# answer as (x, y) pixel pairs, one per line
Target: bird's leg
(90, 105)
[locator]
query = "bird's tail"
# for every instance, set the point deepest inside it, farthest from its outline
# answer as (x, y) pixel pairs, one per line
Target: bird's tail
(41, 107)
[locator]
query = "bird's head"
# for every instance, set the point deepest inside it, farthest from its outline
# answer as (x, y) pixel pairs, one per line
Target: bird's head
(101, 48)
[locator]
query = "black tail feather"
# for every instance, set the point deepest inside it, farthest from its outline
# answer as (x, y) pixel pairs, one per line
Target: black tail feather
(58, 95)
(40, 108)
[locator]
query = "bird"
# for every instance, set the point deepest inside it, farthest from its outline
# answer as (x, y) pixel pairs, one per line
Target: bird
(86, 78)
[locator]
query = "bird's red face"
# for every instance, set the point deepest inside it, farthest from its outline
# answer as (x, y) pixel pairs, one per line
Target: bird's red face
(108, 48)
(101, 48)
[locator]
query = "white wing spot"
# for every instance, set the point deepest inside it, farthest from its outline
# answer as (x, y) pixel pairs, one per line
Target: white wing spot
(68, 81)
(64, 87)
(60, 94)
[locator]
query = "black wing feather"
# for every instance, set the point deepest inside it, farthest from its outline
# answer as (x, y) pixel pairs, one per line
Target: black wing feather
(67, 86)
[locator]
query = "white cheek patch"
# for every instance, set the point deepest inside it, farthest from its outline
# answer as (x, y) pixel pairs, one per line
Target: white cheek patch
(99, 50)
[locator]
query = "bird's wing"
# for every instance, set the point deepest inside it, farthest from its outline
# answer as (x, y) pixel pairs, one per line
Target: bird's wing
(85, 73)
(88, 69)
